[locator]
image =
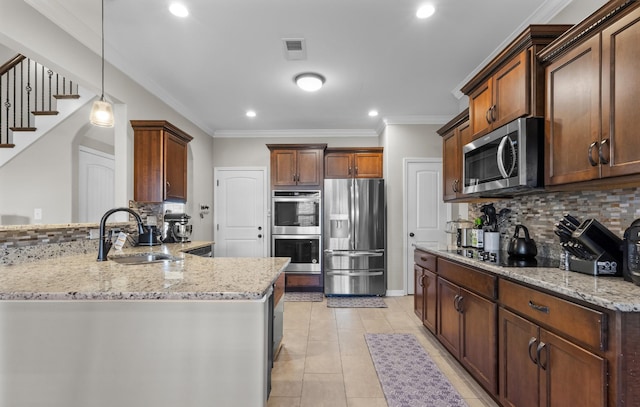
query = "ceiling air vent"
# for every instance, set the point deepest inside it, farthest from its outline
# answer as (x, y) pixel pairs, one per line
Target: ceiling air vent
(294, 49)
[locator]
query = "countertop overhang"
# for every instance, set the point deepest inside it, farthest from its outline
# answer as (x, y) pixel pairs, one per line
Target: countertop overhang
(607, 292)
(189, 277)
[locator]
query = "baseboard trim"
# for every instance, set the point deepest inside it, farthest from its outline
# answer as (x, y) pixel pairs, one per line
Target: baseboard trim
(396, 293)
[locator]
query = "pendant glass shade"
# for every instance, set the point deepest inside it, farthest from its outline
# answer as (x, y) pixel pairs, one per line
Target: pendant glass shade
(102, 113)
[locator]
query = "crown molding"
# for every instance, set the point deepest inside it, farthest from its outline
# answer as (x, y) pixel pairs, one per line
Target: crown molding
(431, 119)
(295, 133)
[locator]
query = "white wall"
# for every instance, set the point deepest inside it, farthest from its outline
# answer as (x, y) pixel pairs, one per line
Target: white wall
(28, 32)
(399, 142)
(577, 11)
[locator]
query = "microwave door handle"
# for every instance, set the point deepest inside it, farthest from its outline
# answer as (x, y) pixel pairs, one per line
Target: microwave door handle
(503, 171)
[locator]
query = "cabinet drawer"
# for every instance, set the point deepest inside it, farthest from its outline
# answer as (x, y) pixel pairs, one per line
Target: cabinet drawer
(424, 260)
(306, 281)
(583, 324)
(472, 279)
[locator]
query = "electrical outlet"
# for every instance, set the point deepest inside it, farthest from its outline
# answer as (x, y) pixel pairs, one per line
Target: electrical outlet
(37, 214)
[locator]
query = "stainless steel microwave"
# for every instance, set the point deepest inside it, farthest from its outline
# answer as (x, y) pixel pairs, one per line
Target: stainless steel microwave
(508, 160)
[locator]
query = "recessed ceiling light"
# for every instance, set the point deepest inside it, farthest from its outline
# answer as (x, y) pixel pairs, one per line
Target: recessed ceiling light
(251, 113)
(178, 10)
(373, 113)
(309, 81)
(425, 11)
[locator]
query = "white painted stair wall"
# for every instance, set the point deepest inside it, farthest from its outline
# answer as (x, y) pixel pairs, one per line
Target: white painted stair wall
(45, 124)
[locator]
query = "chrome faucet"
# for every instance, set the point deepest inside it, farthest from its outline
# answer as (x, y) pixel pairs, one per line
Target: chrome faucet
(105, 241)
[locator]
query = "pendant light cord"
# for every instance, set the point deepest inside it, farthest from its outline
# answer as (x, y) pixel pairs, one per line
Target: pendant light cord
(102, 24)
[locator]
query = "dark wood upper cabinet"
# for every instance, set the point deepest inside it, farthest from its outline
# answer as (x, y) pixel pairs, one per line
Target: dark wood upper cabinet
(592, 80)
(353, 162)
(160, 161)
(512, 84)
(455, 135)
(297, 165)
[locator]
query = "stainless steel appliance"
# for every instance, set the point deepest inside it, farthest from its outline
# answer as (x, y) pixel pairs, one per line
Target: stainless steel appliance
(296, 212)
(509, 159)
(304, 250)
(354, 260)
(177, 228)
(296, 230)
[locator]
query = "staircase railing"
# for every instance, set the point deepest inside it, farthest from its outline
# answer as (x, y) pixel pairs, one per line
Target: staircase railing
(28, 89)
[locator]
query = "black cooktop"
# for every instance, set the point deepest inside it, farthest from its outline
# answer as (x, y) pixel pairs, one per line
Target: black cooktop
(502, 258)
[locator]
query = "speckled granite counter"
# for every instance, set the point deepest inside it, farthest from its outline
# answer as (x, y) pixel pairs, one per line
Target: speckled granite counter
(189, 277)
(608, 292)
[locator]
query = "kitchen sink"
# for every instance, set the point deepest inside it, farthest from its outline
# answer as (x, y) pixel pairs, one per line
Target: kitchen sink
(142, 258)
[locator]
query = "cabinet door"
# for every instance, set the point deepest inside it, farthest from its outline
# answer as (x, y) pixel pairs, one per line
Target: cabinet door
(175, 165)
(517, 370)
(338, 165)
(430, 300)
(448, 316)
(452, 166)
(511, 91)
(478, 347)
(480, 103)
(310, 167)
(620, 90)
(283, 167)
(570, 375)
(148, 158)
(572, 119)
(418, 295)
(367, 165)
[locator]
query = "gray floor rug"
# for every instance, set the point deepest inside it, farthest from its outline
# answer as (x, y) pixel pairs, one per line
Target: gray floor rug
(355, 302)
(300, 296)
(409, 377)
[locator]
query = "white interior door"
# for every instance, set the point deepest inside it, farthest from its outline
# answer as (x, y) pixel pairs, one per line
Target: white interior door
(96, 184)
(425, 211)
(240, 212)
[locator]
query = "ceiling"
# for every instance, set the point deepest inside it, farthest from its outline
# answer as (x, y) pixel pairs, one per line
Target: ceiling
(227, 56)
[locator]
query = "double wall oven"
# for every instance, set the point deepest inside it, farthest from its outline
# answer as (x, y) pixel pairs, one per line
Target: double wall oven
(296, 229)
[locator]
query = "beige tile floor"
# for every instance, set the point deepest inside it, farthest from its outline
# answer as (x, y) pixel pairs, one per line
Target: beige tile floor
(324, 359)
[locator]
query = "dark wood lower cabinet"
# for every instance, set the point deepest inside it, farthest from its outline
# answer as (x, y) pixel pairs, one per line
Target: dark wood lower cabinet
(467, 328)
(539, 368)
(302, 283)
(429, 313)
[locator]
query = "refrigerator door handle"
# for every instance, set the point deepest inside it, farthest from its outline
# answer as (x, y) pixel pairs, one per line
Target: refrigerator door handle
(370, 253)
(356, 274)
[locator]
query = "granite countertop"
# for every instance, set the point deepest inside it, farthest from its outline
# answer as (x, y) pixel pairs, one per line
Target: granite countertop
(189, 277)
(608, 292)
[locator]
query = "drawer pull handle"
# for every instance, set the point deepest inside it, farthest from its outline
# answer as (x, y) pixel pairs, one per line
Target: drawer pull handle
(541, 308)
(539, 349)
(422, 257)
(532, 342)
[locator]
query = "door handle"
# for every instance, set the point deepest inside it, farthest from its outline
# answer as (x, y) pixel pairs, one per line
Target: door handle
(412, 234)
(589, 154)
(260, 236)
(600, 155)
(532, 342)
(259, 227)
(539, 349)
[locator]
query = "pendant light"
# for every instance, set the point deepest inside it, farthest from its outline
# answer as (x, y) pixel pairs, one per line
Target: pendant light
(102, 112)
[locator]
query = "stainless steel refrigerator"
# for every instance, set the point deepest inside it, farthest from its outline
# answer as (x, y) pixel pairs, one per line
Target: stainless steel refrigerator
(354, 237)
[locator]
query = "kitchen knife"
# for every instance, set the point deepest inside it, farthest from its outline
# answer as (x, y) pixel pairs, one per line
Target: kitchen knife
(564, 237)
(571, 219)
(562, 227)
(568, 224)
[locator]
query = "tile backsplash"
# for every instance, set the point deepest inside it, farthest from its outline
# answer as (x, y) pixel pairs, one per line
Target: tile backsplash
(615, 209)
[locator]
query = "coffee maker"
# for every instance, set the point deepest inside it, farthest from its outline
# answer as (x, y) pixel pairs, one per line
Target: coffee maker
(176, 228)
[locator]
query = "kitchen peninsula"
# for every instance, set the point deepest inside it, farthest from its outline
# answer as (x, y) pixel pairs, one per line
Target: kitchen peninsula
(192, 331)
